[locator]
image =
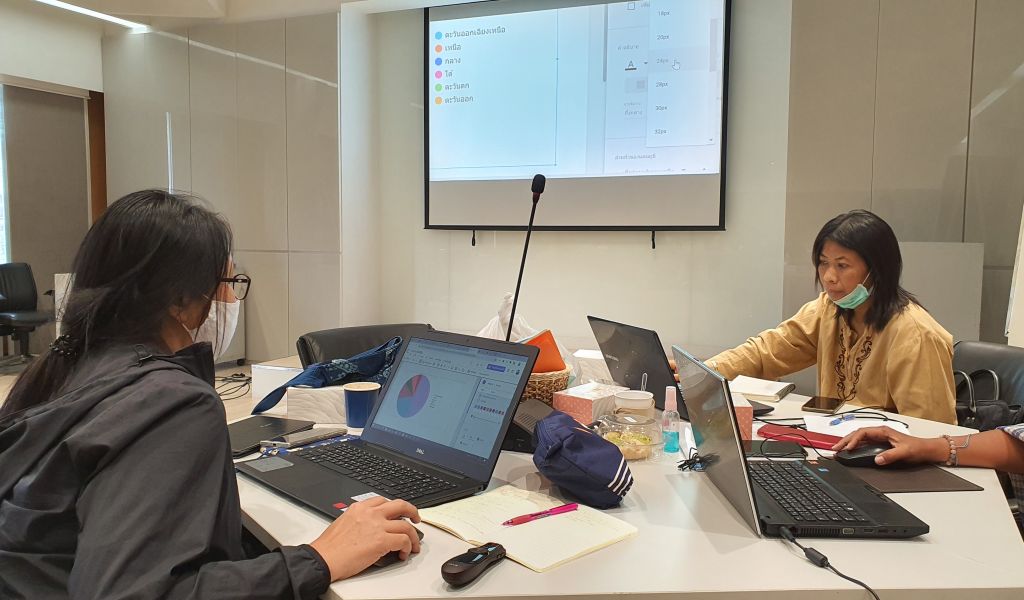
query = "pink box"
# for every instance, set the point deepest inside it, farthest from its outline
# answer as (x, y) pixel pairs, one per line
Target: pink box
(587, 402)
(744, 416)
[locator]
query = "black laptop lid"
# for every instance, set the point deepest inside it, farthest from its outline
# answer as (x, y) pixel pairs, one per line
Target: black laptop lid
(450, 399)
(632, 351)
(247, 434)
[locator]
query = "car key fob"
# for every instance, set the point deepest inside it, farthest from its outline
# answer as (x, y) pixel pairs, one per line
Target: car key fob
(464, 568)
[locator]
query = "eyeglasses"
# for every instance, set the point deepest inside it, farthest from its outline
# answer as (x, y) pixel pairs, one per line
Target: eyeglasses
(239, 285)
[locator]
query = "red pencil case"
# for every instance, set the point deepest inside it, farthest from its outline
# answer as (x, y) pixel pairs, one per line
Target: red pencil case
(783, 433)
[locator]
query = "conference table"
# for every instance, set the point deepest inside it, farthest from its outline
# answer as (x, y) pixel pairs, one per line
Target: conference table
(691, 543)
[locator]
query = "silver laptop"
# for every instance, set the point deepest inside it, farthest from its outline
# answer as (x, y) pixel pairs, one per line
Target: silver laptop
(813, 498)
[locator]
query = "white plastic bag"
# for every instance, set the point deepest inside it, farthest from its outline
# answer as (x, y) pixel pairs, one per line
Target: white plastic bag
(497, 327)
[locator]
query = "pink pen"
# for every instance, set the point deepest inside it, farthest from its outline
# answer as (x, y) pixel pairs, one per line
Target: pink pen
(540, 515)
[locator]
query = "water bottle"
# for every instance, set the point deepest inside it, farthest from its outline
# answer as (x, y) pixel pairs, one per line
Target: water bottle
(670, 421)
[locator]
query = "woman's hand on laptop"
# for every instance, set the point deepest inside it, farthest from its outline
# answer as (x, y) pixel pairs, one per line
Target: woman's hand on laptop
(365, 532)
(905, 448)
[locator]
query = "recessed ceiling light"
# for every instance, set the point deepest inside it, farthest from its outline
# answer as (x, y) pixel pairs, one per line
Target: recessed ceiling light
(135, 27)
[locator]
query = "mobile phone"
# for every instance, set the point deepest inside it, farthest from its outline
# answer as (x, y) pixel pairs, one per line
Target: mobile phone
(822, 404)
(302, 438)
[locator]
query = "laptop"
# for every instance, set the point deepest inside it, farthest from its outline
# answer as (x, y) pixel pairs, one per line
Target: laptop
(630, 352)
(813, 498)
(247, 434)
(433, 436)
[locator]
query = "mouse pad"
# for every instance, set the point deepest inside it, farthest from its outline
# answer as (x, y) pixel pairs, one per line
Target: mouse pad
(918, 478)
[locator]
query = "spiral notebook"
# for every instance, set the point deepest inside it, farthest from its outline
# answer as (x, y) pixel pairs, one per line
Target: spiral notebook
(540, 545)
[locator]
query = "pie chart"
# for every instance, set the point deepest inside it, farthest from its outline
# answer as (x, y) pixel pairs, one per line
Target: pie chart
(413, 396)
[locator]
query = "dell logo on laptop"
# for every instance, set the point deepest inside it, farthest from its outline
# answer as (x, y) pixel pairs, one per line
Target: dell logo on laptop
(419, 451)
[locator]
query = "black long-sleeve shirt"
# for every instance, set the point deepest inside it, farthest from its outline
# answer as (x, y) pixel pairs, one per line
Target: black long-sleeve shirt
(123, 487)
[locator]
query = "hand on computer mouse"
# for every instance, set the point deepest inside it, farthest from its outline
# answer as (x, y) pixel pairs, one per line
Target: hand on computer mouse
(905, 448)
(365, 532)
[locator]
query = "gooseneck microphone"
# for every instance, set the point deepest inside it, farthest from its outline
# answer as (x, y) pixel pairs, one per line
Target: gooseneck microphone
(537, 187)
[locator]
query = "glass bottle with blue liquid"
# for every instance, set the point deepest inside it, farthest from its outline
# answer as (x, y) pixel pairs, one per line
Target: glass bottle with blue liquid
(670, 421)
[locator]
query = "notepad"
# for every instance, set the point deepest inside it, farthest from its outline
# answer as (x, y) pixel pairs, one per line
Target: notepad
(539, 545)
(760, 390)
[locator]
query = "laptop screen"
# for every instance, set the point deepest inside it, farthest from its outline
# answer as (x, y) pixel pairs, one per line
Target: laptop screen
(632, 353)
(716, 433)
(448, 404)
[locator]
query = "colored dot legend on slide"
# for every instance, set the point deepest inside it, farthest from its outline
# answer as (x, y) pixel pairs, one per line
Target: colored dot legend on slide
(437, 61)
(437, 35)
(437, 74)
(438, 48)
(438, 100)
(438, 87)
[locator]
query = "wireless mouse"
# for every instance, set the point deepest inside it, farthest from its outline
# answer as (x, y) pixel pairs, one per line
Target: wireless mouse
(863, 455)
(393, 557)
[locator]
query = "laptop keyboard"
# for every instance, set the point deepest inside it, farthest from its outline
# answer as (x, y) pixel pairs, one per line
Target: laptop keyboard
(800, 493)
(388, 477)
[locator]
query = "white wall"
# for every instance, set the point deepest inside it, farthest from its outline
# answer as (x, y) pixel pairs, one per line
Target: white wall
(705, 290)
(51, 45)
(360, 210)
(249, 115)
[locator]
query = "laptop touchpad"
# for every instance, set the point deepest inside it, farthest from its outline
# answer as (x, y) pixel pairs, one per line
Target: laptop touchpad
(270, 463)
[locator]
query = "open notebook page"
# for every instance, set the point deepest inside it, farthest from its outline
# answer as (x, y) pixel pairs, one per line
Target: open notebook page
(539, 545)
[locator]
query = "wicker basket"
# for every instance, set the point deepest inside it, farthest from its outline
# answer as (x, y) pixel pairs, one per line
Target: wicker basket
(542, 385)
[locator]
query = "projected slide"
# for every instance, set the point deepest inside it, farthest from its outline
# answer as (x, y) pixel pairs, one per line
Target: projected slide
(621, 89)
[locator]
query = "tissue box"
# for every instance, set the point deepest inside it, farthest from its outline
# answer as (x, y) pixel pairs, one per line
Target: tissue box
(744, 416)
(587, 402)
(591, 366)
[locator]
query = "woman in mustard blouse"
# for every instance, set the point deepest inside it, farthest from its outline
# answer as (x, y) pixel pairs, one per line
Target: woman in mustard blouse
(874, 344)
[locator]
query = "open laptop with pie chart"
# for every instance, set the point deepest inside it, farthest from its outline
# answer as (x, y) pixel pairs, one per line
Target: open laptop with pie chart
(433, 436)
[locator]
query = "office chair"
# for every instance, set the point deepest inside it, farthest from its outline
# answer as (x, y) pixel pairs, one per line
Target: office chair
(1007, 362)
(19, 314)
(343, 342)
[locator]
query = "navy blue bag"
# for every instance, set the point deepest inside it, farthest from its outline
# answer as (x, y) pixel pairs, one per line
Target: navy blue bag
(581, 462)
(373, 365)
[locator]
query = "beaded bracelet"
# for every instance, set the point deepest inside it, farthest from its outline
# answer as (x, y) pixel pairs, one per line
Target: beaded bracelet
(953, 460)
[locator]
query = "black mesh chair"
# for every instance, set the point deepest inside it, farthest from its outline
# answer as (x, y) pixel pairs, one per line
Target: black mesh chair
(343, 342)
(19, 314)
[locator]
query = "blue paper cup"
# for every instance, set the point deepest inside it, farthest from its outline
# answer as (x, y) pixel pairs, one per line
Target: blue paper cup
(359, 400)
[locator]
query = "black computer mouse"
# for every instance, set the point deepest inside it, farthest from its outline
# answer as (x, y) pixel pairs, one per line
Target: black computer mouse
(863, 455)
(392, 557)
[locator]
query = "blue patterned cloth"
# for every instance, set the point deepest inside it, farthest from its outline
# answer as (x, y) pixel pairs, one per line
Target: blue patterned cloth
(1016, 431)
(373, 365)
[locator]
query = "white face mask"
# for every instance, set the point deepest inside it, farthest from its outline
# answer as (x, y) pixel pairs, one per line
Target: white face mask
(219, 326)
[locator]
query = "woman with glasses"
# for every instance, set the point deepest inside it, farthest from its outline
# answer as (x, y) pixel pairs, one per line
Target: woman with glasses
(116, 477)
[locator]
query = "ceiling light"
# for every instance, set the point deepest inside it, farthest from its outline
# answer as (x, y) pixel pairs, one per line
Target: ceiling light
(135, 27)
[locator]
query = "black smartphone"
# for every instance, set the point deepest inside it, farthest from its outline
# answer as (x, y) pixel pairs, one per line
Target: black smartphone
(773, 449)
(822, 404)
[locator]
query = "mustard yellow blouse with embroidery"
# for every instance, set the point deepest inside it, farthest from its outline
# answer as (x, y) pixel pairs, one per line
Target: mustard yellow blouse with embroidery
(906, 368)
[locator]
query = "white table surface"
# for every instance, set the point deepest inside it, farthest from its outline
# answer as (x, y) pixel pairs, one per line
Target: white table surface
(691, 542)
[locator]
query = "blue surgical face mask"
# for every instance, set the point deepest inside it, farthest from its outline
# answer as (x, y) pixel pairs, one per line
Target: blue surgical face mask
(855, 298)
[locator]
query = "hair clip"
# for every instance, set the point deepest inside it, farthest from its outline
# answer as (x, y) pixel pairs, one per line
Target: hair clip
(64, 346)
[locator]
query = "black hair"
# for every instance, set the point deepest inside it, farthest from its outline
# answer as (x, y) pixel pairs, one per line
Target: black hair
(148, 252)
(869, 236)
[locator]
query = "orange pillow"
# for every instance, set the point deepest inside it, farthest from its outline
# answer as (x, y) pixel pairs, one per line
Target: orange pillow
(549, 359)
